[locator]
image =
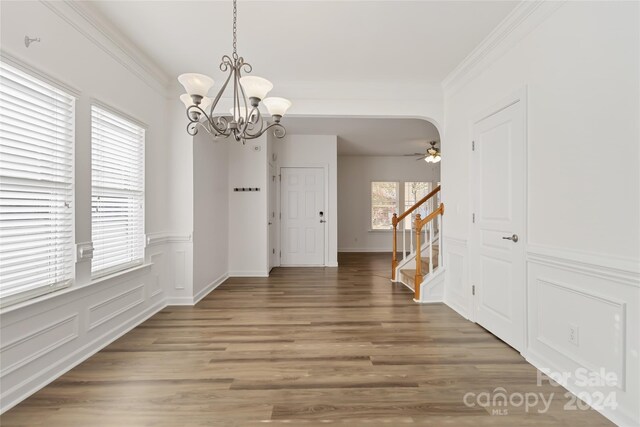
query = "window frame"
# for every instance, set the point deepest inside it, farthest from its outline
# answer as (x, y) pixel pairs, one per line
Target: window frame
(398, 203)
(432, 185)
(96, 276)
(71, 262)
(401, 201)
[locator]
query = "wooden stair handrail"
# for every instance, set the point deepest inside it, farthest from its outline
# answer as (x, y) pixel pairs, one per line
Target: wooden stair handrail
(396, 219)
(419, 224)
(422, 222)
(417, 204)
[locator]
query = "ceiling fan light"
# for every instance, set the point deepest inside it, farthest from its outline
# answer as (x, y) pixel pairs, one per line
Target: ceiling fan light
(436, 159)
(277, 106)
(428, 159)
(255, 87)
(196, 84)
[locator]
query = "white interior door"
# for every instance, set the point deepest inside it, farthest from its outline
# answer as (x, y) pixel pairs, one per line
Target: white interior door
(273, 253)
(497, 236)
(303, 216)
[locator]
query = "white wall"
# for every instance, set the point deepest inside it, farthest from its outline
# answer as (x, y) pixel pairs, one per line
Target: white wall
(580, 67)
(355, 174)
(315, 151)
(45, 337)
(210, 214)
(248, 229)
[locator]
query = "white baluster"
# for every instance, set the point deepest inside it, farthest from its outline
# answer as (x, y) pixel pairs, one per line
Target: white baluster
(411, 233)
(404, 239)
(439, 219)
(430, 247)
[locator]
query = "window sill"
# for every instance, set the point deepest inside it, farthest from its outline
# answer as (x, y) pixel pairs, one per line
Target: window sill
(70, 289)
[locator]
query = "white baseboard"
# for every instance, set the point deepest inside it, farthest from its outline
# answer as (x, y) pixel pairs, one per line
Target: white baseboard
(210, 287)
(262, 273)
(387, 250)
(42, 378)
(179, 301)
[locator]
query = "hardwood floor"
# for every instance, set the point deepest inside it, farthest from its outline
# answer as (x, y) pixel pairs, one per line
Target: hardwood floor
(304, 347)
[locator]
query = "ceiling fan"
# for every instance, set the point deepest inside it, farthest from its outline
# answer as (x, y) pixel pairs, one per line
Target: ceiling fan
(431, 156)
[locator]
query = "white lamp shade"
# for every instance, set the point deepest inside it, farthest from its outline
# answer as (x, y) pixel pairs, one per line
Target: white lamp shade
(428, 159)
(255, 87)
(277, 106)
(188, 101)
(206, 103)
(196, 84)
(436, 159)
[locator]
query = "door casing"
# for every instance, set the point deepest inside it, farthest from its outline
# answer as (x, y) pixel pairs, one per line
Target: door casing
(328, 218)
(520, 96)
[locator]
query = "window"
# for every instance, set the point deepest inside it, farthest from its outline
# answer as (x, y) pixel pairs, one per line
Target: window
(117, 192)
(36, 186)
(414, 191)
(384, 203)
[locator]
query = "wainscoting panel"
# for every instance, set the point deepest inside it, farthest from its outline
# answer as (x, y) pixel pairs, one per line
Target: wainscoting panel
(44, 338)
(113, 306)
(457, 291)
(583, 320)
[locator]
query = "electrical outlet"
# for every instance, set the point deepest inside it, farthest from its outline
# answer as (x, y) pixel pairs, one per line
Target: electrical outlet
(573, 334)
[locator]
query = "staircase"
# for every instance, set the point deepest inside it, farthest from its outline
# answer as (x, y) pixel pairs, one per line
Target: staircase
(420, 269)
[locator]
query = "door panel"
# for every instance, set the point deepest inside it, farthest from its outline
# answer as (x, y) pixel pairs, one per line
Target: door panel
(302, 192)
(497, 264)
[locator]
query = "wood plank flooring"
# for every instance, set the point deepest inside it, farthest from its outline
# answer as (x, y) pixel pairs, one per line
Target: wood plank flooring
(308, 346)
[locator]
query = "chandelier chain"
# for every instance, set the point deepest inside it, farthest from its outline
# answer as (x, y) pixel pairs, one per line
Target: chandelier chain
(235, 28)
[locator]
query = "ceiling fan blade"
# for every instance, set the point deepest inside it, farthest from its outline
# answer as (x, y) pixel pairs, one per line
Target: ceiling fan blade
(414, 154)
(422, 157)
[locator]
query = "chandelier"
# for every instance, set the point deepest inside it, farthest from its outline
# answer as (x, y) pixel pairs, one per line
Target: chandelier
(244, 121)
(433, 154)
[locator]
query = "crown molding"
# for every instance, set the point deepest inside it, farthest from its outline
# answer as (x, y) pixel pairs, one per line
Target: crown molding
(87, 21)
(523, 19)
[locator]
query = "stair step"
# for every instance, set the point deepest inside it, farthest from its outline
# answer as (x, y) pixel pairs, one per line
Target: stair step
(408, 277)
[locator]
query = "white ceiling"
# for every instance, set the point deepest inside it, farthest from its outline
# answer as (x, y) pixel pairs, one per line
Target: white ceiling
(368, 136)
(297, 41)
(316, 50)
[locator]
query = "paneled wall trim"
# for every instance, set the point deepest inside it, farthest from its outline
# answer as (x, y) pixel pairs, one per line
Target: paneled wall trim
(457, 293)
(162, 238)
(622, 270)
(599, 297)
(596, 294)
(46, 337)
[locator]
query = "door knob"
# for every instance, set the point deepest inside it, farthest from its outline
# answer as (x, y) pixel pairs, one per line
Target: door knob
(322, 221)
(513, 238)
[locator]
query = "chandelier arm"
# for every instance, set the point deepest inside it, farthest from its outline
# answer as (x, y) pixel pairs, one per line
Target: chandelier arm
(192, 128)
(259, 120)
(279, 131)
(247, 113)
(224, 124)
(198, 114)
(214, 104)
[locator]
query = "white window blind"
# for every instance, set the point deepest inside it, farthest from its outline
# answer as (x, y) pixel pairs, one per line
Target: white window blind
(117, 194)
(36, 186)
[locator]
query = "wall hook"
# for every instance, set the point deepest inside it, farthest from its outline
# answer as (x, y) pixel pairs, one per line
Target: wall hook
(28, 40)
